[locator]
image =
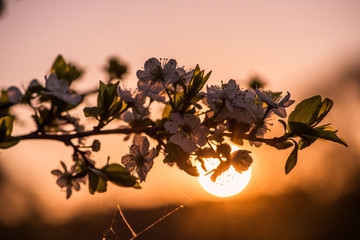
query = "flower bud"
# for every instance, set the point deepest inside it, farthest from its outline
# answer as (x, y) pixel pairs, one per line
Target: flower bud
(96, 145)
(14, 94)
(241, 160)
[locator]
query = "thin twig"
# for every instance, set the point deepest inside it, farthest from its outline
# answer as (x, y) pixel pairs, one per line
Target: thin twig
(159, 220)
(126, 222)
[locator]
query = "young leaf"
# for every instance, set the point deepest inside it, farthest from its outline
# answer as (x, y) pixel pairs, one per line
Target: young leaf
(120, 176)
(101, 95)
(306, 111)
(306, 141)
(65, 70)
(283, 145)
(326, 106)
(92, 112)
(93, 182)
(9, 142)
(167, 111)
(102, 185)
(175, 154)
(328, 135)
(6, 124)
(292, 160)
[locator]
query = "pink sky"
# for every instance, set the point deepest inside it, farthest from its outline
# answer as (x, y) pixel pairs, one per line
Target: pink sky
(286, 42)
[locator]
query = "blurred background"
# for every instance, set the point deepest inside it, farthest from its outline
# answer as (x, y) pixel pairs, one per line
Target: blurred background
(305, 48)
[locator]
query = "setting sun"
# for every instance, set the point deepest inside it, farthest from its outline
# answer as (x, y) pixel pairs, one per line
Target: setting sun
(228, 183)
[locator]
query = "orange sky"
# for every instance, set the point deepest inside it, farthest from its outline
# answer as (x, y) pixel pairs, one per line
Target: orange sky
(286, 42)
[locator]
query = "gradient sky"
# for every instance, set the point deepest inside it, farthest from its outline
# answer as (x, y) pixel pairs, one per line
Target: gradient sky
(288, 43)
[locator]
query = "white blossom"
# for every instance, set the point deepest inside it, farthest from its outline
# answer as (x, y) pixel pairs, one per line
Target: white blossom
(156, 76)
(65, 179)
(140, 158)
(125, 95)
(155, 71)
(61, 90)
(272, 100)
(222, 96)
(218, 132)
(187, 131)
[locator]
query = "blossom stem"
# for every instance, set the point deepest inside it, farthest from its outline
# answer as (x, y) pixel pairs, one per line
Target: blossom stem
(261, 122)
(170, 100)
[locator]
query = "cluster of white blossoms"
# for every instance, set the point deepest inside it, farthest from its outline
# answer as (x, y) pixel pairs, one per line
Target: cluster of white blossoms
(228, 106)
(194, 125)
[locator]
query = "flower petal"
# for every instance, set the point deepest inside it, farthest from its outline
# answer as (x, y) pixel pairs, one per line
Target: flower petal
(177, 119)
(192, 120)
(61, 182)
(151, 64)
(262, 96)
(281, 112)
(171, 127)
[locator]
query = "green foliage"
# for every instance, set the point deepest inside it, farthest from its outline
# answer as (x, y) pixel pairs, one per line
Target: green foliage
(307, 115)
(120, 176)
(175, 154)
(115, 68)
(256, 82)
(283, 145)
(114, 173)
(6, 126)
(109, 106)
(96, 183)
(65, 70)
(292, 159)
(189, 96)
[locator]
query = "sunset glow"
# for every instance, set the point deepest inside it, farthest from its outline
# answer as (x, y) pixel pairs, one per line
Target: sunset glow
(229, 183)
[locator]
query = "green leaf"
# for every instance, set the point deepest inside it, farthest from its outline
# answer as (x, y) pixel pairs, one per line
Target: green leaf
(178, 102)
(102, 185)
(175, 154)
(92, 112)
(306, 111)
(3, 130)
(6, 125)
(306, 141)
(197, 98)
(321, 132)
(93, 182)
(120, 176)
(117, 108)
(113, 90)
(167, 111)
(292, 159)
(115, 68)
(9, 142)
(283, 145)
(187, 167)
(300, 128)
(326, 106)
(64, 70)
(328, 135)
(102, 89)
